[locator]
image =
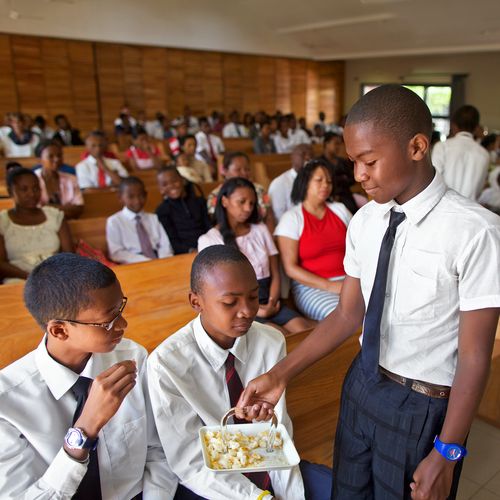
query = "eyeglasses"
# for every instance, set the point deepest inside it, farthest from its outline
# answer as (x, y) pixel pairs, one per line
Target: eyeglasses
(107, 326)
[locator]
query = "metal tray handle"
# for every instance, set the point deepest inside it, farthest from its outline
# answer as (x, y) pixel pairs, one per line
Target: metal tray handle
(271, 435)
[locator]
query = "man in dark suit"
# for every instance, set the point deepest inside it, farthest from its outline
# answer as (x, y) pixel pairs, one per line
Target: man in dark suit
(66, 135)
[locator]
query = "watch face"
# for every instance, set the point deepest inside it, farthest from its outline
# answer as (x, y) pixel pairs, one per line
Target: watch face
(453, 453)
(74, 438)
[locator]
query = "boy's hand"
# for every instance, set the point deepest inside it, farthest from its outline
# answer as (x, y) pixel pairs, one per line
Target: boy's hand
(107, 392)
(432, 478)
(260, 397)
(268, 310)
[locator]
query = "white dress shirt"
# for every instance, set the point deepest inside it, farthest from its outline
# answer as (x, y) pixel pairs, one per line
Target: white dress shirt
(445, 259)
(123, 241)
(283, 144)
(13, 150)
(280, 191)
(298, 136)
(463, 164)
(87, 171)
(230, 131)
(188, 389)
(202, 145)
(36, 410)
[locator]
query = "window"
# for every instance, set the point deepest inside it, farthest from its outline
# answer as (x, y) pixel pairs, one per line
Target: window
(437, 98)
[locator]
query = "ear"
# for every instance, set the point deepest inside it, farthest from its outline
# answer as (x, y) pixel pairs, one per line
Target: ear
(419, 146)
(224, 201)
(196, 301)
(57, 329)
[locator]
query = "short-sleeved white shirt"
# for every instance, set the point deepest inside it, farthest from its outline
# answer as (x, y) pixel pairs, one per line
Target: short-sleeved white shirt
(291, 223)
(87, 171)
(445, 259)
(257, 245)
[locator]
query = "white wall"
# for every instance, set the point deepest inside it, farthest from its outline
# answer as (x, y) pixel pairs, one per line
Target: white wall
(482, 85)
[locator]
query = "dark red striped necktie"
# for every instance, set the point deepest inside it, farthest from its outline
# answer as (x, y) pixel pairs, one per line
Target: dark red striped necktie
(235, 388)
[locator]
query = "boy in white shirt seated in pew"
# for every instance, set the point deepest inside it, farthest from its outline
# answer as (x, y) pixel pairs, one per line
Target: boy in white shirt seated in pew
(75, 418)
(198, 373)
(132, 234)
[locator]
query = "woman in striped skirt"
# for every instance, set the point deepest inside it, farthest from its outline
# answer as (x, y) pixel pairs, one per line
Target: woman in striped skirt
(311, 239)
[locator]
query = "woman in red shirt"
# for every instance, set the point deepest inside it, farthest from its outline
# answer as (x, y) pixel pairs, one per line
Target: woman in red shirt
(311, 239)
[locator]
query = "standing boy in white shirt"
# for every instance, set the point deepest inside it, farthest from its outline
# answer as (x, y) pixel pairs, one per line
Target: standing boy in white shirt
(428, 300)
(461, 161)
(97, 171)
(75, 417)
(132, 234)
(191, 376)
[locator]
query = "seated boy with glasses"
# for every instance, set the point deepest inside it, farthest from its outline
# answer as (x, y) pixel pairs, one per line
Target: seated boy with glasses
(75, 418)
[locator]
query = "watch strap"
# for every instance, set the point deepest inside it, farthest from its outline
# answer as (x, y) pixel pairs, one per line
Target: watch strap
(450, 451)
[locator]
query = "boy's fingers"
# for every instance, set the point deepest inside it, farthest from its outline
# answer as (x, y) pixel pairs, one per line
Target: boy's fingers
(121, 369)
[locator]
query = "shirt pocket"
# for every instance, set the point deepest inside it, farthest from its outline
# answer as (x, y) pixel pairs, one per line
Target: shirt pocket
(416, 298)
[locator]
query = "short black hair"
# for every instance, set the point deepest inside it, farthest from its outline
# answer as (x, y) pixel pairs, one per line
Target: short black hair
(466, 118)
(168, 167)
(46, 144)
(329, 136)
(211, 257)
(395, 110)
(59, 287)
(489, 140)
(97, 133)
(131, 181)
(226, 190)
(230, 156)
(14, 173)
(301, 182)
(59, 116)
(183, 139)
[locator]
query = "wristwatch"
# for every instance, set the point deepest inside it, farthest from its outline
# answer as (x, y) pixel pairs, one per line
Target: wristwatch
(452, 452)
(76, 439)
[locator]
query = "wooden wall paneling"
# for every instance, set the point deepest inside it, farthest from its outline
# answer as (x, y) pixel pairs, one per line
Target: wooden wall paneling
(283, 85)
(155, 79)
(298, 86)
(232, 82)
(266, 77)
(133, 78)
(250, 89)
(57, 77)
(176, 98)
(28, 70)
(85, 113)
(8, 92)
(193, 83)
(330, 89)
(213, 92)
(110, 81)
(312, 94)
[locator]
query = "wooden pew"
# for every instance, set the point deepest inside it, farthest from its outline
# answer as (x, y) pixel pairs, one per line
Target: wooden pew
(6, 203)
(242, 144)
(91, 231)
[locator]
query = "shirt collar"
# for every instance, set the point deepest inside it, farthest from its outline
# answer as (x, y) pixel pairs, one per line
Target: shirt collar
(59, 378)
(131, 215)
(421, 204)
(293, 173)
(215, 354)
(463, 133)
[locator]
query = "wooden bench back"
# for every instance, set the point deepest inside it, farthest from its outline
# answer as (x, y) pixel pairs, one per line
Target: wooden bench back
(242, 144)
(91, 231)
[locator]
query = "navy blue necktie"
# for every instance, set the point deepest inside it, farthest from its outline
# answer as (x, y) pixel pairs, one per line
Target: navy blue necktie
(370, 350)
(90, 486)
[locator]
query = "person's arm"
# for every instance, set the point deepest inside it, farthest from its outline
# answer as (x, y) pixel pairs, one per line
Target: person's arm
(132, 163)
(178, 425)
(65, 238)
(165, 247)
(114, 175)
(23, 471)
(289, 251)
(433, 477)
(8, 270)
(269, 220)
(264, 392)
(278, 199)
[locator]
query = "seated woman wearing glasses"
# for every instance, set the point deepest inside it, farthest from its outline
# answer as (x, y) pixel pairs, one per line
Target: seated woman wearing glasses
(29, 234)
(311, 240)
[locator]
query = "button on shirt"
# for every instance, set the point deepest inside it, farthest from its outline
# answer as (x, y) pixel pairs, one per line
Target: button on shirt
(36, 410)
(87, 171)
(280, 191)
(187, 385)
(445, 259)
(123, 241)
(463, 164)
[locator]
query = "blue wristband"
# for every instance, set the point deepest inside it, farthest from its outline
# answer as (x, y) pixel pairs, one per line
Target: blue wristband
(451, 452)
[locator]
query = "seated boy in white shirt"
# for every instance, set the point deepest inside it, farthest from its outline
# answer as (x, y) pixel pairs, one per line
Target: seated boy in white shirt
(96, 170)
(132, 234)
(75, 418)
(187, 377)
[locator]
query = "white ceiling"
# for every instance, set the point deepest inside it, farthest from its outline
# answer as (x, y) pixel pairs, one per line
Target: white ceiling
(317, 29)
